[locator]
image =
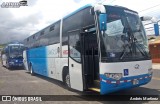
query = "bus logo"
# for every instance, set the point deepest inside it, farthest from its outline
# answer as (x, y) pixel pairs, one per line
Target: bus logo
(23, 3)
(14, 4)
(136, 66)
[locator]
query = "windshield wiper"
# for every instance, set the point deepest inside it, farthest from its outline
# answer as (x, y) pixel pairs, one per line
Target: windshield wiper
(140, 48)
(128, 44)
(124, 50)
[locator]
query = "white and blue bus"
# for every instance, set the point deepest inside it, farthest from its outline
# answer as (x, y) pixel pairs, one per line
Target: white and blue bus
(102, 48)
(12, 55)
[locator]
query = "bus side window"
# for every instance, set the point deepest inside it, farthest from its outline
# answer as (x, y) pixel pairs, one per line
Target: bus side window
(75, 49)
(6, 50)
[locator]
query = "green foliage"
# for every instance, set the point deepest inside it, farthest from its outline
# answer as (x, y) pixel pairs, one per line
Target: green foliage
(2, 45)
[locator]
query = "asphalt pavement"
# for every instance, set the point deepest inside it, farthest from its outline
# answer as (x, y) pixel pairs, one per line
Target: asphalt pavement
(20, 82)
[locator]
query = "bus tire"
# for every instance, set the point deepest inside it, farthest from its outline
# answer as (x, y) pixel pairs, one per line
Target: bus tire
(31, 70)
(7, 65)
(2, 63)
(66, 77)
(67, 80)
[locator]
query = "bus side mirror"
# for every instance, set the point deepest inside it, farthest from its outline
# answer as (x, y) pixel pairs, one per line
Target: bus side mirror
(156, 29)
(103, 22)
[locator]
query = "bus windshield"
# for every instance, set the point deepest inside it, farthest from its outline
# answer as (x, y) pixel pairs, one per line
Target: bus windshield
(16, 51)
(125, 38)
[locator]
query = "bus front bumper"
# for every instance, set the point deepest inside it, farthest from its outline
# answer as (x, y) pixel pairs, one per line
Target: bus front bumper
(15, 63)
(109, 85)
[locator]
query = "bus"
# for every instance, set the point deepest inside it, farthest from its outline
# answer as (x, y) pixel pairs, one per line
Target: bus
(12, 55)
(101, 48)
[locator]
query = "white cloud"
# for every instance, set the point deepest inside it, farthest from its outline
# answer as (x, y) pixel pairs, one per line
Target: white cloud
(40, 13)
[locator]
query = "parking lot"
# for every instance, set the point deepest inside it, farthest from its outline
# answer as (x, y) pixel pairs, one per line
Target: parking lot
(20, 82)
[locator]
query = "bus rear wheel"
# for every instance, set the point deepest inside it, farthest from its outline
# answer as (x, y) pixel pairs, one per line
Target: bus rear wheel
(31, 70)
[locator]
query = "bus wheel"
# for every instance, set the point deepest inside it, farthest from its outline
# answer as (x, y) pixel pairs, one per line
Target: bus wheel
(67, 80)
(7, 65)
(31, 70)
(2, 63)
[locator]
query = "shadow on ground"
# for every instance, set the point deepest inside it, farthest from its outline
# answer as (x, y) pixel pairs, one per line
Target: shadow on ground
(94, 96)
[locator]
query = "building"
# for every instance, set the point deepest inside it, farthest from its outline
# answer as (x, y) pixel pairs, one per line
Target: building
(154, 46)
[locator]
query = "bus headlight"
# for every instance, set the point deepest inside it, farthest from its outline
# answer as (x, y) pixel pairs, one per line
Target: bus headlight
(11, 62)
(150, 71)
(116, 76)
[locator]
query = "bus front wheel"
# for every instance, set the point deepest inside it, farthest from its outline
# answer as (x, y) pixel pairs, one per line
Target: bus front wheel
(31, 70)
(2, 63)
(7, 65)
(66, 77)
(67, 80)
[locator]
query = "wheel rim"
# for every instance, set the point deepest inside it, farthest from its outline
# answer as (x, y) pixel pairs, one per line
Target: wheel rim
(68, 80)
(31, 70)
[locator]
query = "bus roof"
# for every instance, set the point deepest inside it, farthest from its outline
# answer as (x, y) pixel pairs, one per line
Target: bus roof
(15, 44)
(81, 8)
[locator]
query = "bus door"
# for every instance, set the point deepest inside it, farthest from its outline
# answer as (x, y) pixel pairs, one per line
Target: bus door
(4, 59)
(90, 60)
(75, 62)
(25, 60)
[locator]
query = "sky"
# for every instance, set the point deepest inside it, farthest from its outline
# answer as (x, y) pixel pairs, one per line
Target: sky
(19, 23)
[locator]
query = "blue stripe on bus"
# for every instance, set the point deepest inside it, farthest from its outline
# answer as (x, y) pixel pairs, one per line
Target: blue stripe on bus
(112, 87)
(88, 5)
(38, 59)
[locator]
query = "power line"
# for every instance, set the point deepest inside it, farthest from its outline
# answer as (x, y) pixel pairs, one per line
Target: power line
(154, 12)
(149, 8)
(102, 1)
(112, 1)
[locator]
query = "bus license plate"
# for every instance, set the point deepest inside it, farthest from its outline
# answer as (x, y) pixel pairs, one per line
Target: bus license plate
(135, 81)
